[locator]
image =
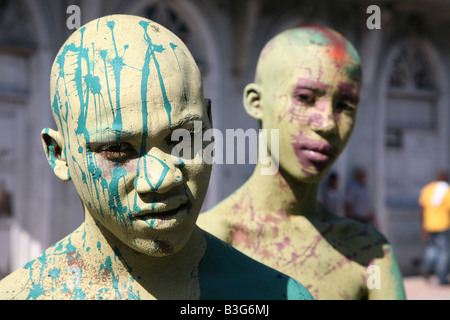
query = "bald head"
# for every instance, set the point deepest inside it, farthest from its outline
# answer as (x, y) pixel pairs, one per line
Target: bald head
(291, 44)
(120, 86)
(306, 86)
(112, 60)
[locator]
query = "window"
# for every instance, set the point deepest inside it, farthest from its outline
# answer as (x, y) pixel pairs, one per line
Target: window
(411, 126)
(165, 15)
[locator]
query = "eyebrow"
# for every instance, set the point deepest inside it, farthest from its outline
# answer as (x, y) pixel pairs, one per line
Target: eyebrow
(107, 133)
(304, 82)
(349, 90)
(185, 121)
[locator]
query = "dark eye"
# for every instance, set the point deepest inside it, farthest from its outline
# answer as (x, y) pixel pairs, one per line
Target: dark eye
(181, 134)
(120, 152)
(345, 105)
(305, 96)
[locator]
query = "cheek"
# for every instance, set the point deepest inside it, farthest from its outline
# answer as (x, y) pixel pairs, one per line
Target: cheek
(346, 125)
(97, 179)
(317, 119)
(108, 169)
(196, 179)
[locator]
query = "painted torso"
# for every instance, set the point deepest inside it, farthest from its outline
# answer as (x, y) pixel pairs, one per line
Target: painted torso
(68, 272)
(329, 256)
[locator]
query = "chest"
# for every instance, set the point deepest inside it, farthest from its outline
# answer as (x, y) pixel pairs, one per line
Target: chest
(301, 252)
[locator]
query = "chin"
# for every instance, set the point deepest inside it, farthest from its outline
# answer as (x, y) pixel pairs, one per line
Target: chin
(156, 248)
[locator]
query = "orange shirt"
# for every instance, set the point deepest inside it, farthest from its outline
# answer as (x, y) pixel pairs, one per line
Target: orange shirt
(436, 217)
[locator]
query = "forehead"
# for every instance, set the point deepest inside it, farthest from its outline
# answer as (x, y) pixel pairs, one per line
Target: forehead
(119, 68)
(312, 62)
(313, 52)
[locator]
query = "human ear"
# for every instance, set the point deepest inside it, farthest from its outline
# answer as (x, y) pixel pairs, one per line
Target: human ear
(52, 142)
(252, 101)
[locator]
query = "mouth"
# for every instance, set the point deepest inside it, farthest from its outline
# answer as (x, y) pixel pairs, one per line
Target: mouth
(164, 211)
(319, 152)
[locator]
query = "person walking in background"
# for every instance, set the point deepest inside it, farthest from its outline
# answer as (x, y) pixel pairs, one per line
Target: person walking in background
(435, 202)
(328, 193)
(357, 201)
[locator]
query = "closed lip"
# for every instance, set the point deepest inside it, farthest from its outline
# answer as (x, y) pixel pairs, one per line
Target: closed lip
(163, 209)
(323, 148)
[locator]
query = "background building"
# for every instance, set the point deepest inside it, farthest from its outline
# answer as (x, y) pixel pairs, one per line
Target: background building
(401, 137)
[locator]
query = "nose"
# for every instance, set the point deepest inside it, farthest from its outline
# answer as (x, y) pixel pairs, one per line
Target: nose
(157, 173)
(323, 119)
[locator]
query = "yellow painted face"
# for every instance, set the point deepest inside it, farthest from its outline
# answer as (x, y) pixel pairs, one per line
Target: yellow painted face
(120, 86)
(310, 92)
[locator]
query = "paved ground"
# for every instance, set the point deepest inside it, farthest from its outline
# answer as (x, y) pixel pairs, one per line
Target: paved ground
(417, 288)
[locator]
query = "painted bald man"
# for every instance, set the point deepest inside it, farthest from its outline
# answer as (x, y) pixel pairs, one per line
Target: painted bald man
(120, 86)
(307, 87)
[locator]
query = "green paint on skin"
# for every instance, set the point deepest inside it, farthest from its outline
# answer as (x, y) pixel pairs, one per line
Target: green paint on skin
(54, 273)
(107, 267)
(78, 291)
(174, 46)
(113, 191)
(51, 152)
(93, 86)
(134, 295)
(157, 48)
(117, 64)
(103, 55)
(37, 282)
(161, 177)
(354, 73)
(85, 84)
(395, 271)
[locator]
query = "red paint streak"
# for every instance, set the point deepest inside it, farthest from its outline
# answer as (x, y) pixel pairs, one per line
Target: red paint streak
(73, 259)
(310, 251)
(270, 218)
(339, 54)
(281, 245)
(241, 236)
(338, 47)
(266, 254)
(164, 247)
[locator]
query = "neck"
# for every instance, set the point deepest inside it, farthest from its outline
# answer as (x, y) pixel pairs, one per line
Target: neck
(156, 274)
(286, 194)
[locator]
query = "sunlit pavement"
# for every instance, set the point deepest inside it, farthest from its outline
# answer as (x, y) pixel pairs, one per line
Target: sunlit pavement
(417, 288)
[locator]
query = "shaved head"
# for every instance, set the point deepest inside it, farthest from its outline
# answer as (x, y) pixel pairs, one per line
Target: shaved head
(119, 86)
(307, 86)
(113, 53)
(293, 41)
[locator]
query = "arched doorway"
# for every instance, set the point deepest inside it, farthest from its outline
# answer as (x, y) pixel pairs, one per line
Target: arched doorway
(412, 140)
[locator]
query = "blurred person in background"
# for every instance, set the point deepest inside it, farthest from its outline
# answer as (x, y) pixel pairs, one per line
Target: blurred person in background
(357, 201)
(435, 202)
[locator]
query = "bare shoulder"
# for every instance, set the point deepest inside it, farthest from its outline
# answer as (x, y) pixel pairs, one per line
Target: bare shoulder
(41, 277)
(217, 220)
(370, 248)
(357, 241)
(224, 269)
(30, 281)
(16, 285)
